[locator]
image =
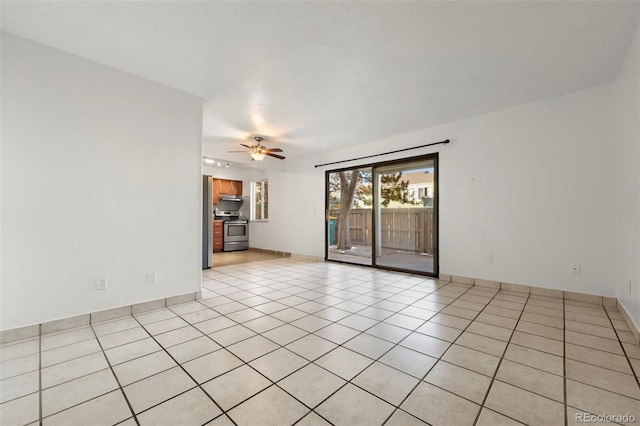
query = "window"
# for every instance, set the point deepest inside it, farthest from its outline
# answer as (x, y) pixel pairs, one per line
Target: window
(260, 200)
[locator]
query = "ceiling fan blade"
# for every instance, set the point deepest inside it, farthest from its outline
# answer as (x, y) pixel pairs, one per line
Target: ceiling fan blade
(273, 150)
(279, 157)
(246, 146)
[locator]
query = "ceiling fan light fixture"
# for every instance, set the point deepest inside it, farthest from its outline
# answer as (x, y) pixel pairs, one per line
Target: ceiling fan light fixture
(257, 156)
(209, 160)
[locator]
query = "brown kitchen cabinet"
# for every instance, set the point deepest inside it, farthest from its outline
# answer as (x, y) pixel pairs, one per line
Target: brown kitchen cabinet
(218, 237)
(224, 186)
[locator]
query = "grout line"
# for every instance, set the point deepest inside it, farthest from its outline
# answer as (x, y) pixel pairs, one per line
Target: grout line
(116, 377)
(495, 373)
(624, 351)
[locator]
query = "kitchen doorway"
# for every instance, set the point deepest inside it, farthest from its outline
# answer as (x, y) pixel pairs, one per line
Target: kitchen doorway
(385, 215)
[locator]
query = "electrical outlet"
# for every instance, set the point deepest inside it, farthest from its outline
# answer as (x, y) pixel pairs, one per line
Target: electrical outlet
(574, 269)
(101, 283)
(152, 277)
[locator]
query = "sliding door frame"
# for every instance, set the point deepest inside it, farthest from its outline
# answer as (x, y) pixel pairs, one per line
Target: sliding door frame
(436, 207)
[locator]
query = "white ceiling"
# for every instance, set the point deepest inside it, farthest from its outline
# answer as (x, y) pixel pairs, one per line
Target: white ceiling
(317, 76)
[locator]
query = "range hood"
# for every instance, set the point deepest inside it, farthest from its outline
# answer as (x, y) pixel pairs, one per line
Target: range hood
(230, 197)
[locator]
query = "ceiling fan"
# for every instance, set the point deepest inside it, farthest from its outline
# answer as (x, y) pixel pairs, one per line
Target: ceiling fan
(258, 151)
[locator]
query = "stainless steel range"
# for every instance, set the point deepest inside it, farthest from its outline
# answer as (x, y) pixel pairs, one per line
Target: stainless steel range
(236, 230)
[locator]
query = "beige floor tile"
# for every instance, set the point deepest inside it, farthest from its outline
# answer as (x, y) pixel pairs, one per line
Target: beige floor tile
(262, 324)
(593, 342)
(139, 368)
(122, 337)
(211, 365)
(390, 332)
(155, 316)
(132, 350)
(19, 349)
(632, 350)
(311, 347)
(235, 386)
(459, 381)
(370, 346)
(105, 410)
(542, 319)
(459, 312)
(215, 324)
(357, 322)
(337, 333)
(344, 362)
(113, 326)
(252, 348)
(588, 319)
(426, 344)
(536, 359)
(195, 348)
(76, 391)
(191, 408)
(177, 336)
(63, 338)
(187, 308)
(595, 330)
(514, 306)
(273, 404)
(440, 331)
(472, 306)
(231, 335)
(20, 411)
(155, 389)
(278, 364)
(439, 407)
(401, 418)
(610, 380)
(334, 314)
(311, 384)
(496, 320)
(524, 406)
(482, 343)
(69, 352)
(386, 382)
(18, 366)
(531, 379)
(409, 361)
(199, 316)
(312, 419)
(543, 344)
(489, 330)
(289, 314)
(451, 321)
(285, 334)
(19, 386)
(73, 369)
(541, 330)
(353, 406)
(595, 357)
(491, 418)
(311, 323)
(599, 401)
(540, 310)
(471, 359)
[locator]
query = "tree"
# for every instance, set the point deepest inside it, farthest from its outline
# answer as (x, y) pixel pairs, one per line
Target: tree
(355, 188)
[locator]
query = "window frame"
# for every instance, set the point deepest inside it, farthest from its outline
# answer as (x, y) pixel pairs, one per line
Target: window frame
(264, 196)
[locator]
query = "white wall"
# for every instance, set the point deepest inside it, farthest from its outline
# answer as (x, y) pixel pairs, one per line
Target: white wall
(544, 198)
(101, 176)
(627, 185)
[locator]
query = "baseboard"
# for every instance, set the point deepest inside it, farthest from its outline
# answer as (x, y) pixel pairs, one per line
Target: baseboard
(274, 252)
(35, 330)
(607, 302)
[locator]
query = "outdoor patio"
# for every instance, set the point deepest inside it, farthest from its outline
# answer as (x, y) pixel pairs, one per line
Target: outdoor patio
(361, 255)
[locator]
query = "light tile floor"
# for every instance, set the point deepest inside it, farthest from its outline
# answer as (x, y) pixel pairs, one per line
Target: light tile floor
(289, 342)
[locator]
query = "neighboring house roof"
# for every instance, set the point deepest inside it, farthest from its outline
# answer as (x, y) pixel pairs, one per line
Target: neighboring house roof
(415, 178)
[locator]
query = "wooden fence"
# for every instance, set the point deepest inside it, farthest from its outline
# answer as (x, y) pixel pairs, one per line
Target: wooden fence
(401, 229)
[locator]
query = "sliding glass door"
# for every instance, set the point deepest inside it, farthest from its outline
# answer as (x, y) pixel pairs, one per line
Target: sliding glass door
(385, 215)
(405, 216)
(349, 198)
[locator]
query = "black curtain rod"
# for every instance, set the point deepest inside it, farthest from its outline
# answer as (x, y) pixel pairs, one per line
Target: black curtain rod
(446, 141)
